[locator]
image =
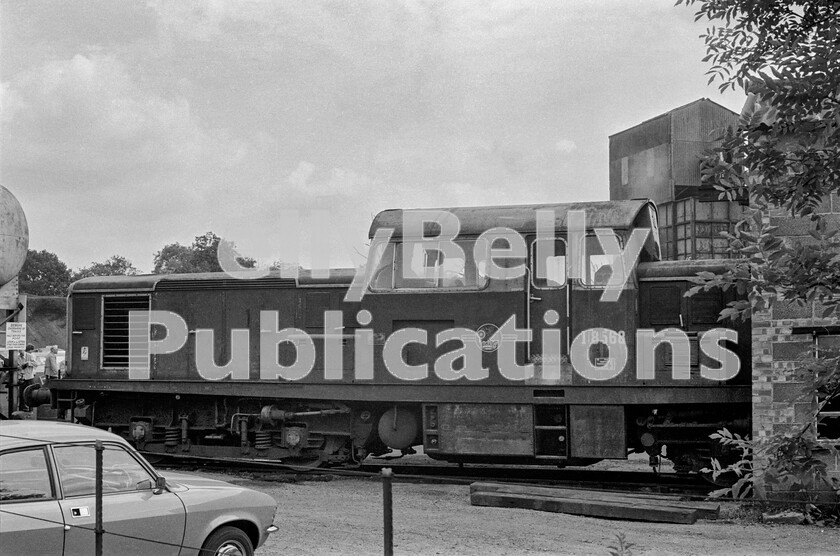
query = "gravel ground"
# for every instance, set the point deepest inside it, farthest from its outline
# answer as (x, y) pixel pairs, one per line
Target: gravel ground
(344, 516)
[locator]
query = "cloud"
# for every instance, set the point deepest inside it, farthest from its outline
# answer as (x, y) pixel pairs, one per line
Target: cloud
(341, 181)
(87, 115)
(84, 137)
(220, 115)
(565, 146)
(301, 175)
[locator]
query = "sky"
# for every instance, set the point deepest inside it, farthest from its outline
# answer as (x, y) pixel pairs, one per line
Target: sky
(126, 126)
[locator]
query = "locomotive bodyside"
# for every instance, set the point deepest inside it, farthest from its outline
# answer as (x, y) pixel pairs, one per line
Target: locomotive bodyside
(424, 358)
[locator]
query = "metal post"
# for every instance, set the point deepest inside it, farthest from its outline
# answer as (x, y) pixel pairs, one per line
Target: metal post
(388, 511)
(11, 377)
(98, 530)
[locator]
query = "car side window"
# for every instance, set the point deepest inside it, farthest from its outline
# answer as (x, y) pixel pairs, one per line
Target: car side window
(24, 475)
(121, 472)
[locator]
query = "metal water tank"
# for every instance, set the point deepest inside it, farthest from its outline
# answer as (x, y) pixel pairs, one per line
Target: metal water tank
(14, 236)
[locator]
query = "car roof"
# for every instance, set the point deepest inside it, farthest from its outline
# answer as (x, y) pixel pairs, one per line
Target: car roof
(16, 434)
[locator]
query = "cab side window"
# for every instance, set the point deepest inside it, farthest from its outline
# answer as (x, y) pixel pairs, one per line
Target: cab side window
(548, 263)
(599, 267)
(24, 475)
(421, 265)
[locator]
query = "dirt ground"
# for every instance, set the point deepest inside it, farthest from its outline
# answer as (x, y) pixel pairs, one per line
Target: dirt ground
(344, 516)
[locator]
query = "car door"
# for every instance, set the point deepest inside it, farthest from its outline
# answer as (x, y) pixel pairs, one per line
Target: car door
(136, 520)
(30, 516)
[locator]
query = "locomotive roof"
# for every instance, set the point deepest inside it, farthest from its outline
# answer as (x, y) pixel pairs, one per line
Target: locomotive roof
(339, 277)
(616, 215)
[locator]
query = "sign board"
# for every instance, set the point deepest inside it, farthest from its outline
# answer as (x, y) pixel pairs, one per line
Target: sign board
(16, 335)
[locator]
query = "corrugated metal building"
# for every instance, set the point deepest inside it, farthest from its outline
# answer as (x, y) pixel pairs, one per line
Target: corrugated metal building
(660, 159)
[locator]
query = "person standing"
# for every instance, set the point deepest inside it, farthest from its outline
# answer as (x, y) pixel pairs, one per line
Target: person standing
(26, 366)
(51, 364)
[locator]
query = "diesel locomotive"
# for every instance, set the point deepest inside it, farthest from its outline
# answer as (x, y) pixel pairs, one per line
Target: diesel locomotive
(494, 345)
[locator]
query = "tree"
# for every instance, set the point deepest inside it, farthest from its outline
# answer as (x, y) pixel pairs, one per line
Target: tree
(786, 150)
(116, 265)
(784, 155)
(43, 273)
(201, 256)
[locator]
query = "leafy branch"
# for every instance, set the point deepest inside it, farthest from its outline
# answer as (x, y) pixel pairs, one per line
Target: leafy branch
(784, 153)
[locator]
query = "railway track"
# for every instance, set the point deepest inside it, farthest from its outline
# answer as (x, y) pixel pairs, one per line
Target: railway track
(690, 486)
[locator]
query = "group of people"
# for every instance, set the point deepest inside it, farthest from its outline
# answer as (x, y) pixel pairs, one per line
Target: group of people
(26, 363)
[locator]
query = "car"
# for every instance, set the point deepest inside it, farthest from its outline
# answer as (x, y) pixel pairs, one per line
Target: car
(48, 503)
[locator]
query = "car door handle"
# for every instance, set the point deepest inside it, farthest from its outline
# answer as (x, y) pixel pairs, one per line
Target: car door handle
(81, 511)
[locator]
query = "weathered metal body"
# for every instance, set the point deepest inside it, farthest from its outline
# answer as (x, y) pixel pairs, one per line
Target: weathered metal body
(350, 405)
(660, 159)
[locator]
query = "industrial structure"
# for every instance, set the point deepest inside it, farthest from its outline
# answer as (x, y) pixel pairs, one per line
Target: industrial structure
(659, 159)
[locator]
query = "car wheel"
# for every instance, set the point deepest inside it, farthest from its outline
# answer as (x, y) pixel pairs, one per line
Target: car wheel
(228, 541)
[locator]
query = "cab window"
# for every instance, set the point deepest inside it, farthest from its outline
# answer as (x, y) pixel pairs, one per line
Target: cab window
(548, 263)
(383, 275)
(24, 475)
(426, 265)
(598, 267)
(121, 472)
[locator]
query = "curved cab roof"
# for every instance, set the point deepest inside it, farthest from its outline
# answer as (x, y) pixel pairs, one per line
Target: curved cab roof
(615, 215)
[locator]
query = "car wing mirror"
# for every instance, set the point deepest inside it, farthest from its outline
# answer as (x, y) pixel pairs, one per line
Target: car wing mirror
(160, 485)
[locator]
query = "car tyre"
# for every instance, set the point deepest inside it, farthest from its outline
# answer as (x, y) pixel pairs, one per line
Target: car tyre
(228, 541)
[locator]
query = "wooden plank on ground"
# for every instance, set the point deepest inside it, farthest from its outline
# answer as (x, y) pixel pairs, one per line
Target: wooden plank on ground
(705, 510)
(513, 487)
(591, 508)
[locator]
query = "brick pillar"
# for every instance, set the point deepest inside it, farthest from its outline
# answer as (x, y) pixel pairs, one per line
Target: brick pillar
(777, 407)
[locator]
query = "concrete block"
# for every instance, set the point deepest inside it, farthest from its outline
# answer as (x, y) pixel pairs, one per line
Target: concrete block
(787, 517)
(790, 351)
(791, 310)
(787, 392)
(789, 226)
(824, 206)
(803, 412)
(818, 312)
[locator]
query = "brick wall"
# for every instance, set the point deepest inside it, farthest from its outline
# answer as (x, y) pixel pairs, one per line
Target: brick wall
(775, 392)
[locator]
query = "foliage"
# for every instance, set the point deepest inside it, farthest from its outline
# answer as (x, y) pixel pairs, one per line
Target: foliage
(742, 486)
(796, 471)
(769, 268)
(621, 546)
(116, 265)
(201, 256)
(785, 151)
(43, 273)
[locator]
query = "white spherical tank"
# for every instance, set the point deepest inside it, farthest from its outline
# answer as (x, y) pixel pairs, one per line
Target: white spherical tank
(14, 236)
